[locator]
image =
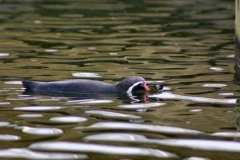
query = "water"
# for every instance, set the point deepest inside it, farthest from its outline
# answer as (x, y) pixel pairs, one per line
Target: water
(186, 45)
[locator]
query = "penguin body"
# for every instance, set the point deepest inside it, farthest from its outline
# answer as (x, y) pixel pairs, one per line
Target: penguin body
(129, 84)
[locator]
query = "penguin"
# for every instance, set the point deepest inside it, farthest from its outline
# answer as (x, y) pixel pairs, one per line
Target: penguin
(127, 85)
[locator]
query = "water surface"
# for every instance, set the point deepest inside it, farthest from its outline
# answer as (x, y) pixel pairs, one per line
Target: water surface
(186, 45)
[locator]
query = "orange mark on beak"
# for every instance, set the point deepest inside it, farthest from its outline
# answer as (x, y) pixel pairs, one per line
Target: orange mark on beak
(144, 84)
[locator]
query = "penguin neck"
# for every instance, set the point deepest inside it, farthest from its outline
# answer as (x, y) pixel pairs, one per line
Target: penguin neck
(131, 88)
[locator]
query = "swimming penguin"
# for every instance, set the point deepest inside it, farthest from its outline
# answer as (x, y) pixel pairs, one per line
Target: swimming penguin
(129, 84)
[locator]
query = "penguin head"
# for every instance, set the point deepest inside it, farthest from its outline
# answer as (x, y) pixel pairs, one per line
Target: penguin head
(135, 83)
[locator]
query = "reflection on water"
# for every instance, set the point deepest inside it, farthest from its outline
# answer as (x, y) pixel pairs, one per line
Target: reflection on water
(107, 149)
(28, 154)
(169, 95)
(187, 45)
(211, 145)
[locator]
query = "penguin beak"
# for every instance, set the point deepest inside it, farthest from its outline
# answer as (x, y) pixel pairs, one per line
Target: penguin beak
(154, 86)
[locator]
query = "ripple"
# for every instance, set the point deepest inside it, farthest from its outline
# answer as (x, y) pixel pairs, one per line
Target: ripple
(47, 99)
(112, 114)
(37, 108)
(30, 115)
(28, 154)
(38, 22)
(97, 148)
(119, 137)
(225, 94)
(42, 131)
(227, 134)
(195, 110)
(141, 105)
(51, 50)
(214, 85)
(4, 103)
(196, 158)
(113, 54)
(216, 68)
(231, 56)
(4, 124)
(209, 145)
(8, 137)
(139, 127)
(89, 101)
(4, 54)
(91, 48)
(86, 74)
(13, 82)
(168, 95)
(68, 119)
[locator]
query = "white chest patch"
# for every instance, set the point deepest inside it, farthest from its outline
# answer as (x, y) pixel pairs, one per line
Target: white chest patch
(135, 84)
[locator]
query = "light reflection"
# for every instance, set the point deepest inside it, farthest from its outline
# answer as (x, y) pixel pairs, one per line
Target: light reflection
(86, 74)
(209, 145)
(97, 148)
(29, 154)
(112, 114)
(30, 115)
(168, 95)
(68, 119)
(139, 127)
(38, 108)
(201, 144)
(42, 131)
(227, 134)
(88, 101)
(8, 137)
(141, 105)
(215, 85)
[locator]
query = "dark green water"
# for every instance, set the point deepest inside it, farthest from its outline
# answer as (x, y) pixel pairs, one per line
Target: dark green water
(187, 45)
